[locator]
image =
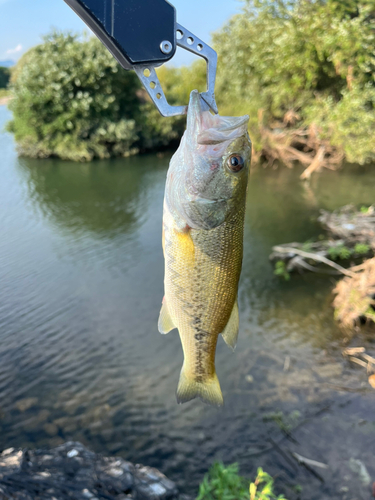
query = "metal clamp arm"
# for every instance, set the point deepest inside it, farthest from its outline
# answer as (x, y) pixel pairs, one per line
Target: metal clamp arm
(148, 76)
(143, 34)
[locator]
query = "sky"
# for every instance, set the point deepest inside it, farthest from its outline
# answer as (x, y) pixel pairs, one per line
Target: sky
(22, 22)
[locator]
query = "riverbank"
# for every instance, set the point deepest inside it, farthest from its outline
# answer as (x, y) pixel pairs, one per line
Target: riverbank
(73, 471)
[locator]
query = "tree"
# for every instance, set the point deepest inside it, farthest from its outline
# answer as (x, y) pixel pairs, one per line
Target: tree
(305, 63)
(72, 100)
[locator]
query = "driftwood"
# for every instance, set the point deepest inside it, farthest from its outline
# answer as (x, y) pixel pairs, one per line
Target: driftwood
(283, 142)
(291, 251)
(347, 228)
(308, 461)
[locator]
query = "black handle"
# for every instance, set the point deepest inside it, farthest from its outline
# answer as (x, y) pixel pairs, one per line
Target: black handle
(136, 32)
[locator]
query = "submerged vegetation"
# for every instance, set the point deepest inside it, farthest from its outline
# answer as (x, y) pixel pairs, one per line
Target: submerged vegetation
(224, 483)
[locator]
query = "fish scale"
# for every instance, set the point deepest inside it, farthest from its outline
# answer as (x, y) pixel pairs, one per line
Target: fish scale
(203, 224)
(205, 289)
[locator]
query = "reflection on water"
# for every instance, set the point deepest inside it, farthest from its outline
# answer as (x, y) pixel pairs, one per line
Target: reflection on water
(81, 282)
(105, 198)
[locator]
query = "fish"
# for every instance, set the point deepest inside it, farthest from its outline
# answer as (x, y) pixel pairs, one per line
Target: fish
(203, 224)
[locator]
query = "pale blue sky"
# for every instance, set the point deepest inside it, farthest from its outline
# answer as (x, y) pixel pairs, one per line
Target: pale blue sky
(23, 21)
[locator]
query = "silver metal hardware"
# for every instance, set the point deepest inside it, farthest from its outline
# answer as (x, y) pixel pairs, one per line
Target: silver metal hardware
(166, 47)
(153, 87)
(192, 43)
(149, 79)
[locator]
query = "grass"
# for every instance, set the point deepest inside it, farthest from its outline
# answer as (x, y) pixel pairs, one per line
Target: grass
(224, 483)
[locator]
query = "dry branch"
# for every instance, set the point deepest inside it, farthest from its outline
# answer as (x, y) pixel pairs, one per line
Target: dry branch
(281, 142)
(313, 256)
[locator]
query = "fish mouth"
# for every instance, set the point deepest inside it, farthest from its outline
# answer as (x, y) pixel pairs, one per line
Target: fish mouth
(205, 129)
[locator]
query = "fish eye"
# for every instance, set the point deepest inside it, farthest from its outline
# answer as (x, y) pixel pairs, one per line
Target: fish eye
(235, 163)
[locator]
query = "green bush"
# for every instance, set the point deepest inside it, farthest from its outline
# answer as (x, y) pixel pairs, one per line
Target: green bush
(72, 100)
(315, 59)
(295, 64)
(224, 483)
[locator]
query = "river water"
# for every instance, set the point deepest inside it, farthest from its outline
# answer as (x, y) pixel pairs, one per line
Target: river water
(81, 283)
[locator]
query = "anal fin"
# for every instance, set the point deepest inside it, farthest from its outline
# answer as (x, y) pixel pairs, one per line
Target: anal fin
(165, 323)
(230, 332)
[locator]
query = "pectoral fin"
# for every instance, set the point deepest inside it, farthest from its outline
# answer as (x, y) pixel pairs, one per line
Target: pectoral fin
(230, 332)
(165, 323)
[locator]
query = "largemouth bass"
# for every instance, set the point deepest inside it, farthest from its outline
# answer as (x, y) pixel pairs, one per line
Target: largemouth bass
(203, 221)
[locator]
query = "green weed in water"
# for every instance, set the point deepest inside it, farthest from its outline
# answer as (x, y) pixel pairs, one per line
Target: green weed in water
(343, 252)
(361, 248)
(364, 209)
(339, 252)
(280, 270)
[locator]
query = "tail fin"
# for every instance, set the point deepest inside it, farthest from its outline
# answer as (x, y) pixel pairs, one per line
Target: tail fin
(208, 391)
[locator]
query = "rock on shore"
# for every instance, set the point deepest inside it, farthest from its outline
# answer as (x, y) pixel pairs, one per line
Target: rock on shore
(71, 471)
